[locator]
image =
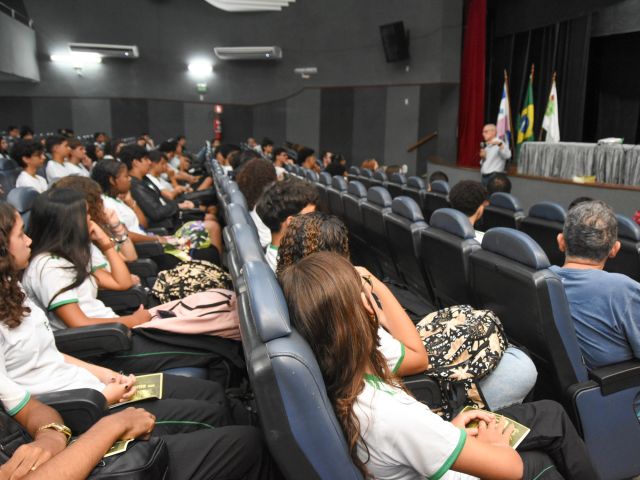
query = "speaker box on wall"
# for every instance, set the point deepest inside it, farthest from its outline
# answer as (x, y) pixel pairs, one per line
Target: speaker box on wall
(395, 42)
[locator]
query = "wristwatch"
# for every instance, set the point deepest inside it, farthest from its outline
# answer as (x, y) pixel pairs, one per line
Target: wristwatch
(66, 431)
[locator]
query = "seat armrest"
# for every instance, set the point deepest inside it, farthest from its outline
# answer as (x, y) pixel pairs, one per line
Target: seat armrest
(148, 249)
(188, 214)
(205, 197)
(101, 339)
(158, 230)
(143, 267)
(126, 301)
(617, 377)
(79, 408)
(425, 389)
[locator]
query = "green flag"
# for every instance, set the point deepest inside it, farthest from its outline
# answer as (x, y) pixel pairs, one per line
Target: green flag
(525, 120)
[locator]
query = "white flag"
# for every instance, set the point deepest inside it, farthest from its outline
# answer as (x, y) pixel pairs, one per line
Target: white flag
(503, 124)
(551, 123)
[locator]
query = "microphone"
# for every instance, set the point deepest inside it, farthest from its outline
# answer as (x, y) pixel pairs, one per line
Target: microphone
(483, 145)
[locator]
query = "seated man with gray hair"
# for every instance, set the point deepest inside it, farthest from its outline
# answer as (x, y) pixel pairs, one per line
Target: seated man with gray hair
(605, 307)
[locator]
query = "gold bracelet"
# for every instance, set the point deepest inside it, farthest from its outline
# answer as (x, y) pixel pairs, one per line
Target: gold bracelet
(66, 431)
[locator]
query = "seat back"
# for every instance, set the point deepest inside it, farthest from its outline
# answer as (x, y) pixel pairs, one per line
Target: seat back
(404, 223)
(440, 186)
(311, 176)
(510, 275)
(435, 200)
(22, 199)
(416, 189)
(445, 248)
(395, 184)
(8, 164)
(353, 199)
(334, 193)
(366, 178)
(627, 261)
(8, 179)
(543, 223)
(373, 210)
(353, 173)
(324, 181)
(503, 210)
(298, 421)
(379, 179)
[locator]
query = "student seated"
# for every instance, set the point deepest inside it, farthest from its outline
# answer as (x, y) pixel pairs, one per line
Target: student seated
(605, 306)
(370, 164)
(159, 166)
(389, 433)
(223, 156)
(437, 175)
(280, 159)
(30, 156)
(77, 159)
(510, 381)
(307, 159)
(470, 198)
(58, 148)
(63, 278)
(277, 205)
(31, 364)
(499, 182)
(252, 180)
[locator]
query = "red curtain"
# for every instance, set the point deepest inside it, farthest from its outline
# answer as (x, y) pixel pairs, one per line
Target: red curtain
(472, 77)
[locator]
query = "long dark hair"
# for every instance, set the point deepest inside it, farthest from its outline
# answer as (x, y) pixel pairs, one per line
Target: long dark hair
(58, 226)
(323, 295)
(12, 297)
(104, 171)
(91, 191)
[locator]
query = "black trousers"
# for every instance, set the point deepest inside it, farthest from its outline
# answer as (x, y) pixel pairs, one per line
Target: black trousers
(553, 448)
(187, 405)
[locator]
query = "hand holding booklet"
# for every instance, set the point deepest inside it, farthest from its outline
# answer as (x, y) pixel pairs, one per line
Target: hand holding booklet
(147, 386)
(519, 431)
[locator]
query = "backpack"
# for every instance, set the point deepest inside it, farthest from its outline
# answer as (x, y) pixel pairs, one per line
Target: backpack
(464, 345)
(190, 277)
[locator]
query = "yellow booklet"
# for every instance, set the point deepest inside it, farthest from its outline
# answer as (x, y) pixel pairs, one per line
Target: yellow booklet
(147, 386)
(119, 447)
(519, 432)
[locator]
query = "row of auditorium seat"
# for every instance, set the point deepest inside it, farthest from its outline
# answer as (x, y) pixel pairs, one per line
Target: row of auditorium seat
(508, 274)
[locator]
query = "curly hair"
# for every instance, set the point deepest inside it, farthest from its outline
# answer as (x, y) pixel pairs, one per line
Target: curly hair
(12, 306)
(92, 192)
(467, 196)
(310, 233)
(253, 177)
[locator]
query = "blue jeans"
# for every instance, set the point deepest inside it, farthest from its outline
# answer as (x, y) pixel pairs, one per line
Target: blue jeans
(511, 381)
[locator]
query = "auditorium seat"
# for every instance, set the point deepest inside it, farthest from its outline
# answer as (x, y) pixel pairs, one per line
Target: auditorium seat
(311, 175)
(353, 199)
(404, 223)
(503, 210)
(22, 199)
(366, 178)
(395, 184)
(379, 179)
(544, 222)
(353, 173)
(324, 181)
(436, 198)
(417, 190)
(334, 193)
(297, 419)
(445, 248)
(373, 210)
(628, 259)
(510, 276)
(243, 247)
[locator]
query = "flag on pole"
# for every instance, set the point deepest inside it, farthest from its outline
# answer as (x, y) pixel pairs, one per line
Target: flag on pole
(551, 122)
(503, 124)
(525, 122)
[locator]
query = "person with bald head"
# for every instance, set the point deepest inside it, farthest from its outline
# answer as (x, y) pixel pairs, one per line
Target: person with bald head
(494, 153)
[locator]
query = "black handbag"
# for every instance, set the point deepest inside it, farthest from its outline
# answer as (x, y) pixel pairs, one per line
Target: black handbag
(143, 460)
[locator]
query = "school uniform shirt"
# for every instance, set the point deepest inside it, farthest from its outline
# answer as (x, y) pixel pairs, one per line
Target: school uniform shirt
(36, 182)
(271, 255)
(392, 350)
(76, 170)
(47, 274)
(30, 362)
(160, 182)
(405, 440)
(264, 234)
(56, 171)
(280, 173)
(125, 214)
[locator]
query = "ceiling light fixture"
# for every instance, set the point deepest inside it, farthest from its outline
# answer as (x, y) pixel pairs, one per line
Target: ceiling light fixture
(77, 59)
(200, 68)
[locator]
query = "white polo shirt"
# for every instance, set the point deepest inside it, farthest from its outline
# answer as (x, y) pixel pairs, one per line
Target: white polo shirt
(264, 234)
(47, 274)
(76, 170)
(36, 182)
(125, 214)
(271, 255)
(405, 440)
(56, 171)
(30, 363)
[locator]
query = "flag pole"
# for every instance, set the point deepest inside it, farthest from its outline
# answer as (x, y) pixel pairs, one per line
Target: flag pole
(512, 140)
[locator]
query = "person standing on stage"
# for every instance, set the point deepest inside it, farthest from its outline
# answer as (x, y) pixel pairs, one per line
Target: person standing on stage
(494, 153)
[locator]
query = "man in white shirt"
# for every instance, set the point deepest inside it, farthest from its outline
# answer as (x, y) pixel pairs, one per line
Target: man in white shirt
(58, 147)
(470, 198)
(75, 160)
(278, 204)
(30, 156)
(494, 153)
(280, 158)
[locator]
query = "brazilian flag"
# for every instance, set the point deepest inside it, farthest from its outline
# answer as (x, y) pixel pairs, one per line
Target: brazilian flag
(525, 120)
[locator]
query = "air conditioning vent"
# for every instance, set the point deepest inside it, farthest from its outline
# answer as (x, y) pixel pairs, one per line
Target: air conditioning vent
(106, 50)
(248, 53)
